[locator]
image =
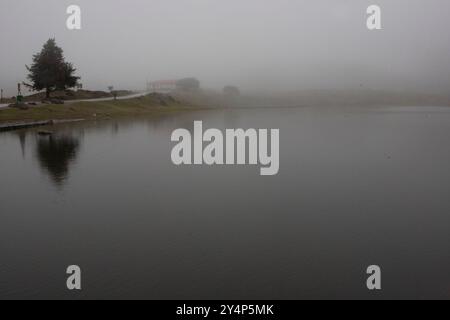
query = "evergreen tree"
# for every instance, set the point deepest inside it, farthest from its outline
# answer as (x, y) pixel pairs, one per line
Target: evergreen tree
(50, 71)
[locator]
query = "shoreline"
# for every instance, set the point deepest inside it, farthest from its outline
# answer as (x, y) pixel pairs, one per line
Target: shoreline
(137, 105)
(156, 104)
(29, 125)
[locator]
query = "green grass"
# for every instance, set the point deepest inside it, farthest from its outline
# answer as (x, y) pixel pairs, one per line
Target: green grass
(93, 110)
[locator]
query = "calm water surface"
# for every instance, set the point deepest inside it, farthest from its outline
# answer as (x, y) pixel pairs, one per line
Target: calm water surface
(356, 187)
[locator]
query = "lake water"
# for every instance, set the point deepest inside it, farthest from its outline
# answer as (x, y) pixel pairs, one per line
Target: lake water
(356, 187)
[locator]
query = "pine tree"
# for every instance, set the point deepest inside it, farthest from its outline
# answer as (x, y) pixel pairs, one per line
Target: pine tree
(50, 71)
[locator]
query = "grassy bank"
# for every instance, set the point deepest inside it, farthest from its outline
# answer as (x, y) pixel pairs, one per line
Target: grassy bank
(152, 104)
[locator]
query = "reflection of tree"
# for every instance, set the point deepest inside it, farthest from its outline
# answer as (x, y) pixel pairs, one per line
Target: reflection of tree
(55, 154)
(115, 128)
(22, 138)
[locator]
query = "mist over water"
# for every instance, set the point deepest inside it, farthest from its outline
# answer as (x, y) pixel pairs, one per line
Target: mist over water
(282, 45)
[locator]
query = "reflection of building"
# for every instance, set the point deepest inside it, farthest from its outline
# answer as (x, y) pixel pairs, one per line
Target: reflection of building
(163, 86)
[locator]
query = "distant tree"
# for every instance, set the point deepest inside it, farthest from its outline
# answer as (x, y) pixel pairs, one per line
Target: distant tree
(113, 92)
(50, 71)
(231, 91)
(188, 84)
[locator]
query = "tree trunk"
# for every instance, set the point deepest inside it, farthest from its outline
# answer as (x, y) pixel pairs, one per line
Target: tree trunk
(47, 93)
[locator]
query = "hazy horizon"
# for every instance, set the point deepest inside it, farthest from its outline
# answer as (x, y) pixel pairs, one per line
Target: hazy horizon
(281, 45)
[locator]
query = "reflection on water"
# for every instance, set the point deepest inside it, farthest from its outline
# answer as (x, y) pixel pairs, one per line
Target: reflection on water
(357, 187)
(22, 138)
(56, 153)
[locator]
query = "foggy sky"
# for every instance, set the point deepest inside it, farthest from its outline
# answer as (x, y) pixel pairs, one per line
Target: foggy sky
(255, 44)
